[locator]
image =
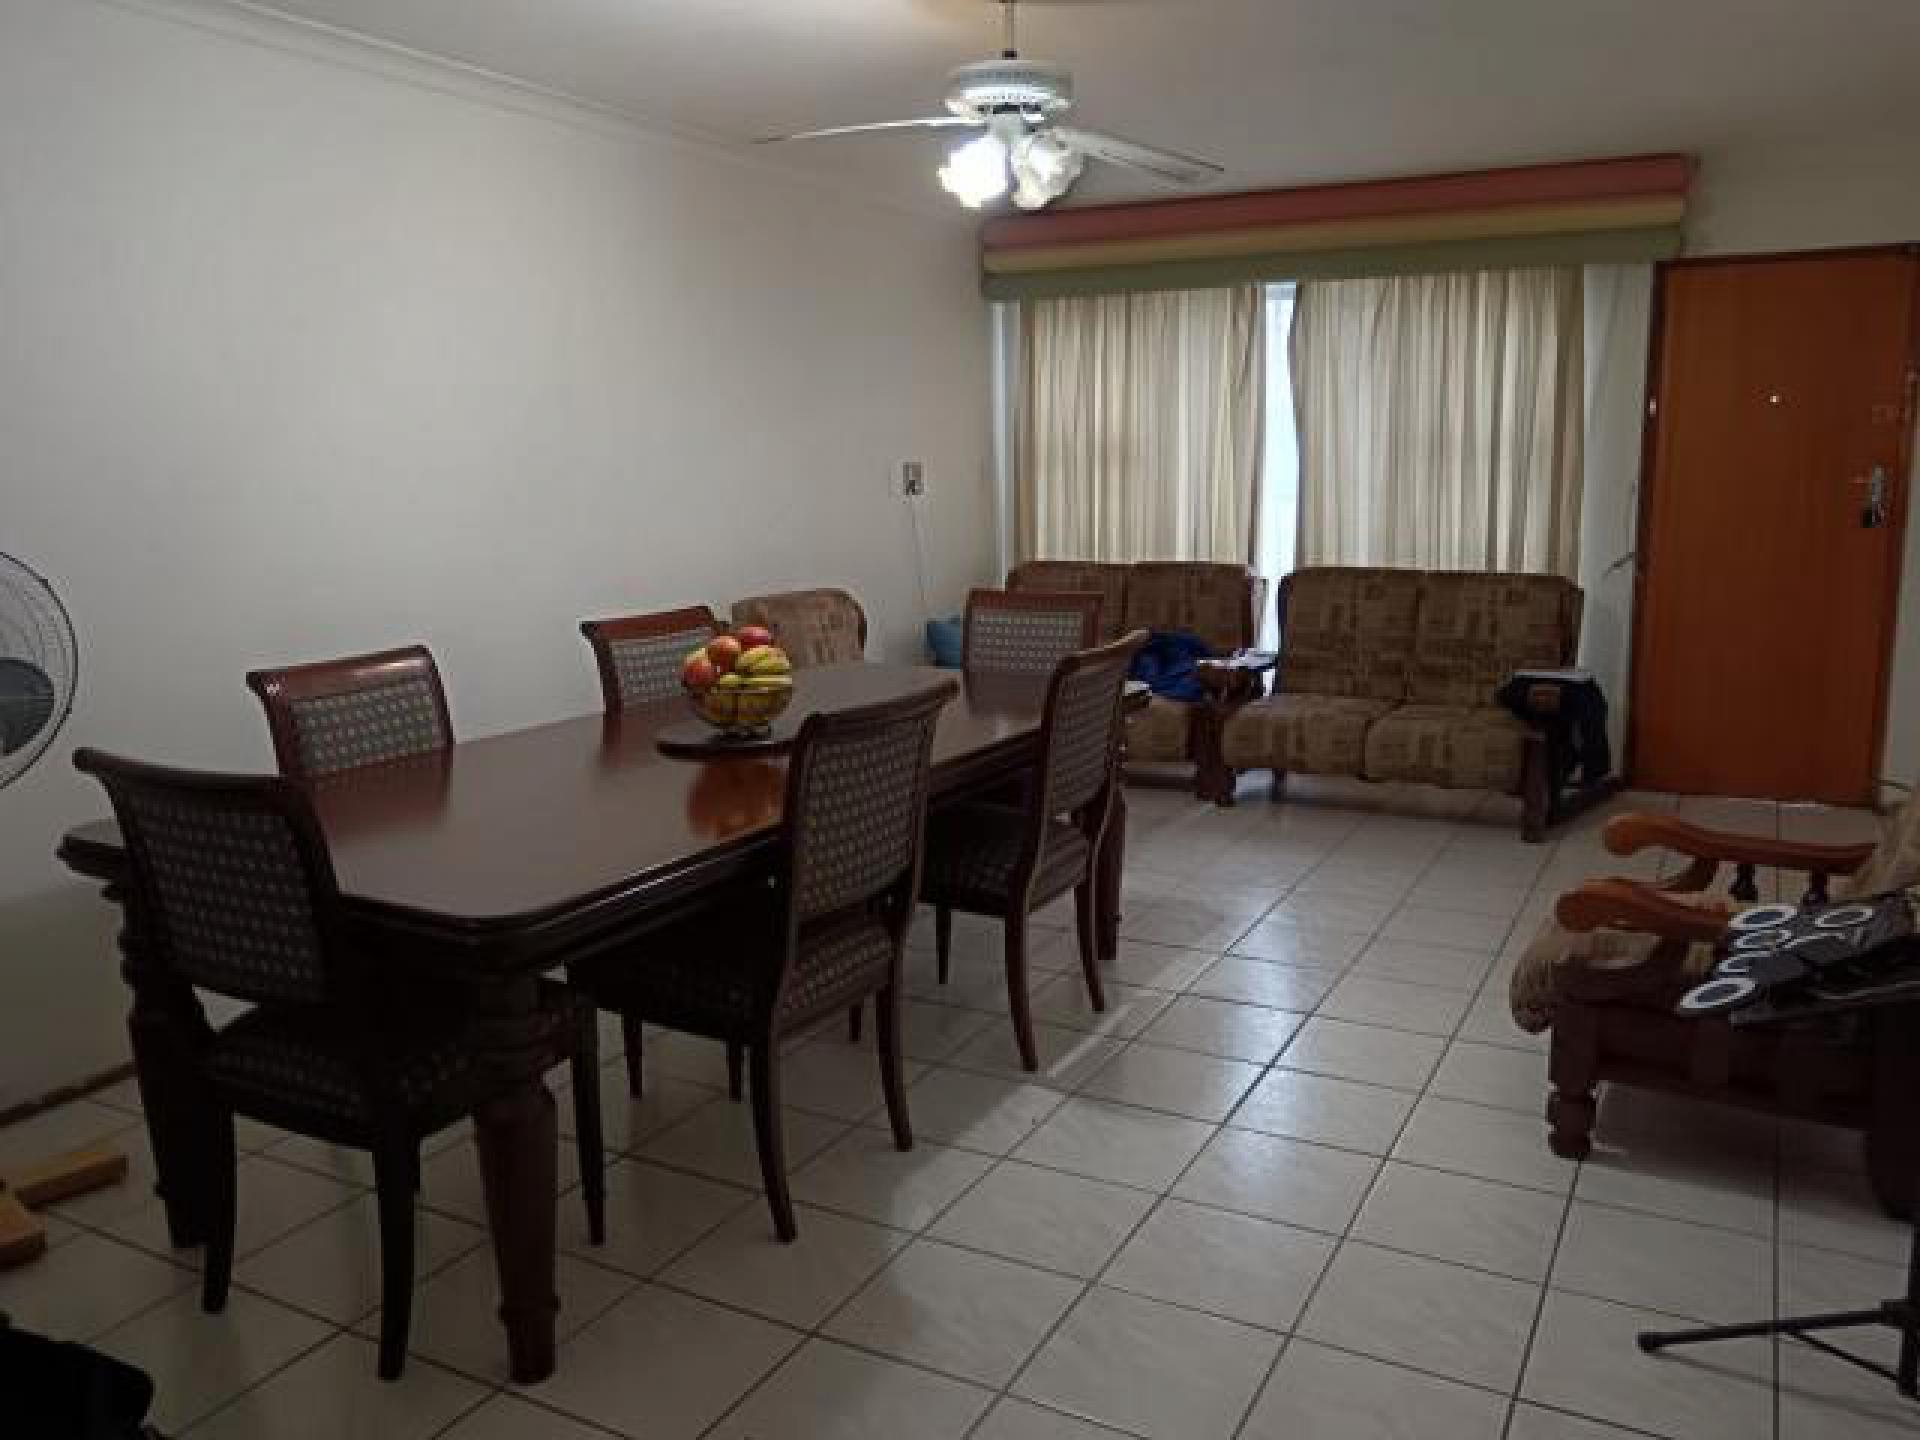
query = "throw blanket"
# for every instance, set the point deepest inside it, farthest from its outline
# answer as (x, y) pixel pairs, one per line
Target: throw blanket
(1167, 662)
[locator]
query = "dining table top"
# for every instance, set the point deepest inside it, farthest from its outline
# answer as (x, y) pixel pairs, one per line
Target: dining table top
(512, 832)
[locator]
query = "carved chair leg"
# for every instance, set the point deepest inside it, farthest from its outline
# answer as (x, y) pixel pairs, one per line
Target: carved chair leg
(893, 1080)
(1573, 1065)
(393, 1162)
(769, 1136)
(220, 1192)
(1018, 1001)
(587, 1129)
(1086, 921)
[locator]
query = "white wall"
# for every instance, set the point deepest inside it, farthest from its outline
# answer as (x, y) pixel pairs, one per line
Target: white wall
(306, 348)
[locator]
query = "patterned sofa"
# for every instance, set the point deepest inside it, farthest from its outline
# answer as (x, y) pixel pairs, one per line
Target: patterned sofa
(1216, 602)
(1390, 675)
(814, 627)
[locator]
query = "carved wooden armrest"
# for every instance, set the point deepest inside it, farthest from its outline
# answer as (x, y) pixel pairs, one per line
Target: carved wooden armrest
(1632, 905)
(1238, 676)
(1629, 834)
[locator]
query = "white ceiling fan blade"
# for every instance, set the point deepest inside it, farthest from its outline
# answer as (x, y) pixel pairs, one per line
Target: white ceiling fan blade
(924, 122)
(1165, 165)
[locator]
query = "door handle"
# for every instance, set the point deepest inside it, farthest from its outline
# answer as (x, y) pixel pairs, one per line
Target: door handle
(1873, 510)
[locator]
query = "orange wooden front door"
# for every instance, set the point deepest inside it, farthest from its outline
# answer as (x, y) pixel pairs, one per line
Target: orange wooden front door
(1766, 604)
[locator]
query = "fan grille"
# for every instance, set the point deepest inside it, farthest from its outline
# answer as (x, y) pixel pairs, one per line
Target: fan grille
(39, 665)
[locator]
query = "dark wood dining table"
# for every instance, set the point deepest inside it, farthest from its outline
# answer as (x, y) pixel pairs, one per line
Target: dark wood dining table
(501, 858)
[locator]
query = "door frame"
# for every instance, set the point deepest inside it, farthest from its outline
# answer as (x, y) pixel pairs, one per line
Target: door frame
(1903, 478)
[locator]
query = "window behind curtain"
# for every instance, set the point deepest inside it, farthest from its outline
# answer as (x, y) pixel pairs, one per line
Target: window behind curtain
(1440, 420)
(1140, 426)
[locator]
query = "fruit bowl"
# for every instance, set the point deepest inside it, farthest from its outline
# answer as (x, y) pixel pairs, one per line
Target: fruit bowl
(739, 683)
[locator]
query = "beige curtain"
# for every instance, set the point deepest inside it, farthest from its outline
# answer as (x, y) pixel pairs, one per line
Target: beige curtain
(1139, 426)
(1440, 420)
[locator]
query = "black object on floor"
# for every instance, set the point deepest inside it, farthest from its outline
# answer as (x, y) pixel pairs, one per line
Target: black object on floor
(1897, 1024)
(50, 1390)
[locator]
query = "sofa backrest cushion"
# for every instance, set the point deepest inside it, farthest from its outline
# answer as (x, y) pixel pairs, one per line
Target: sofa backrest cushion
(1475, 629)
(1109, 582)
(1213, 601)
(1348, 630)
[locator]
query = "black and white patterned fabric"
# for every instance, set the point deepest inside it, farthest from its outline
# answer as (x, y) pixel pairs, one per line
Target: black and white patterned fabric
(973, 850)
(233, 896)
(365, 727)
(1022, 641)
(857, 819)
(1086, 729)
(649, 669)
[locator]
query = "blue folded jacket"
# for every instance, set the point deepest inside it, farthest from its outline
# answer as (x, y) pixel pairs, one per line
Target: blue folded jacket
(1167, 663)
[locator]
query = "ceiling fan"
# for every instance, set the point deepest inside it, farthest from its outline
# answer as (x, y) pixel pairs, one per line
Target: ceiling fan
(1019, 104)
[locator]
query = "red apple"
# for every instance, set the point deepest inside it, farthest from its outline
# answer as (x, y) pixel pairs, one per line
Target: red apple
(723, 650)
(699, 673)
(751, 635)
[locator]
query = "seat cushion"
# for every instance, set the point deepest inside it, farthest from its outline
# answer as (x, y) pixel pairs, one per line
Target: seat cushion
(1555, 953)
(1307, 734)
(281, 1058)
(1476, 629)
(1347, 630)
(1463, 746)
(972, 851)
(1162, 731)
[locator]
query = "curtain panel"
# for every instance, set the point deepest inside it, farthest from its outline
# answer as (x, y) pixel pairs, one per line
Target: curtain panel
(1139, 422)
(1440, 420)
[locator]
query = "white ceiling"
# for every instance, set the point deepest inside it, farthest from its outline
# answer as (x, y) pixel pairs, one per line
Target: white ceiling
(1278, 91)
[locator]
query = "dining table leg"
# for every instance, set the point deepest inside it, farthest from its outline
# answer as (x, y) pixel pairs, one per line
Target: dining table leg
(519, 1169)
(1111, 867)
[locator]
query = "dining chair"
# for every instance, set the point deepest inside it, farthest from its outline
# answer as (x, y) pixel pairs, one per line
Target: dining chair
(1026, 632)
(338, 715)
(639, 656)
(1009, 860)
(822, 934)
(236, 894)
(639, 659)
(814, 627)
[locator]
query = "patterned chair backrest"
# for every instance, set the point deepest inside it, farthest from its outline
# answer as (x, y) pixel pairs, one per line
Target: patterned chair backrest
(1216, 602)
(856, 804)
(1080, 733)
(1476, 629)
(1108, 581)
(1027, 632)
(231, 876)
(814, 627)
(639, 656)
(1348, 630)
(362, 710)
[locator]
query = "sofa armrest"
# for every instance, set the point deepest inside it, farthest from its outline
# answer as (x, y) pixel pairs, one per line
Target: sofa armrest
(1236, 676)
(1630, 834)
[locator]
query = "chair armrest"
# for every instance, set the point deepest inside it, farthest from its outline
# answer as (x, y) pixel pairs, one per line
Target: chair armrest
(1631, 905)
(1630, 834)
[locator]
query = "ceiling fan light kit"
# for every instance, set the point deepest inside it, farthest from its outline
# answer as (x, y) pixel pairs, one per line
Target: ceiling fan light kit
(1023, 149)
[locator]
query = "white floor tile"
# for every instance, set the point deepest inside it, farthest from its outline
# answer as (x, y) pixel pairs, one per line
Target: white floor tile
(1662, 1177)
(1045, 1217)
(1067, 1056)
(1259, 982)
(1285, 942)
(717, 1142)
(1121, 1143)
(1417, 963)
(1279, 1179)
(1427, 1314)
(829, 1392)
(1063, 1001)
(331, 1268)
(1184, 1082)
(1367, 1000)
(662, 1365)
(199, 1362)
(1363, 1052)
(1584, 1359)
(863, 1175)
(1478, 1140)
(978, 1112)
(508, 1417)
(1156, 967)
(1492, 1075)
(1155, 1370)
(456, 1314)
(653, 1214)
(336, 1391)
(1502, 1228)
(273, 1200)
(1235, 1266)
(973, 1316)
(88, 1286)
(1222, 1027)
(1305, 1106)
(1707, 1274)
(1315, 1391)
(1017, 1420)
(1836, 1210)
(745, 1265)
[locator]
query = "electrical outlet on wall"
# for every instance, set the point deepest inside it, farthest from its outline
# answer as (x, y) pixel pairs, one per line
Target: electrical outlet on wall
(912, 479)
